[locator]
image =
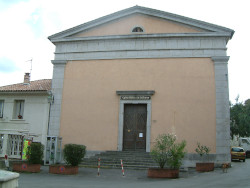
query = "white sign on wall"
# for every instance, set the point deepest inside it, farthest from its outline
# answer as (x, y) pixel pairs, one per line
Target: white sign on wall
(135, 97)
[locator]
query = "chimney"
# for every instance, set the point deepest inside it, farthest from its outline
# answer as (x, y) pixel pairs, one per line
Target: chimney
(26, 78)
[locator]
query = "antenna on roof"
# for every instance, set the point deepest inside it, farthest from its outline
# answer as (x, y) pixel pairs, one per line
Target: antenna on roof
(27, 74)
(30, 64)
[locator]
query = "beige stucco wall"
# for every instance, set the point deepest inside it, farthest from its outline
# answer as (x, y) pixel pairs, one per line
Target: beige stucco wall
(125, 25)
(183, 103)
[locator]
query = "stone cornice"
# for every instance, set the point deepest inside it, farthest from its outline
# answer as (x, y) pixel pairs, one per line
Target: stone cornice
(58, 62)
(146, 92)
(142, 36)
(220, 59)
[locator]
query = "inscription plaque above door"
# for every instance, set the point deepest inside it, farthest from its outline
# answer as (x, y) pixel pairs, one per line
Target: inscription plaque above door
(135, 97)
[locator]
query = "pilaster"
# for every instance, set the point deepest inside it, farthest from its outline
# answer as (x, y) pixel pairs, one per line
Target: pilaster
(222, 109)
(57, 89)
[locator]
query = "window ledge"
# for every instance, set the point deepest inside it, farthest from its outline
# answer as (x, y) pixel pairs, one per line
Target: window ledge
(17, 120)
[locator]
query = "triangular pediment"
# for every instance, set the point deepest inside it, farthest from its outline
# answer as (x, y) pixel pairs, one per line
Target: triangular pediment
(150, 20)
(148, 24)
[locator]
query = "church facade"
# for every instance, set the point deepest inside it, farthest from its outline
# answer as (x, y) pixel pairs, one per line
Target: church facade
(121, 80)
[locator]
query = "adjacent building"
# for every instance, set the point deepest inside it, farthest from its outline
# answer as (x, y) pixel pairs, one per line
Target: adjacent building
(24, 114)
(121, 80)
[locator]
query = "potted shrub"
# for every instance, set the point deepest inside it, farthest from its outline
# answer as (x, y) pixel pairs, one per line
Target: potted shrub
(204, 166)
(167, 151)
(34, 159)
(73, 155)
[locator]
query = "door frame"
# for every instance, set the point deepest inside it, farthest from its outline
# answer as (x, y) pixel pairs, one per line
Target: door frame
(148, 102)
(135, 127)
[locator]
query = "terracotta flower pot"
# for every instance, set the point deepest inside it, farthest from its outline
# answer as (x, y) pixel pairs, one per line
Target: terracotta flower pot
(204, 167)
(63, 169)
(163, 173)
(26, 167)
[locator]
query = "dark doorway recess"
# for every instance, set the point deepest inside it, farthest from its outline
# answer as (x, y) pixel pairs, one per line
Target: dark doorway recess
(134, 127)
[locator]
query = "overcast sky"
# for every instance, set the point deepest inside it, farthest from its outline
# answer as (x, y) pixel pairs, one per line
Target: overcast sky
(26, 25)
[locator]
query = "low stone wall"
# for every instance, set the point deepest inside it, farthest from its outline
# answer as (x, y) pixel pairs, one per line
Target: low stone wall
(11, 161)
(92, 153)
(190, 159)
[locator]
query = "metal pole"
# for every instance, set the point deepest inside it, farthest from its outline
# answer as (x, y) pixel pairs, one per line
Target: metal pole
(99, 165)
(122, 168)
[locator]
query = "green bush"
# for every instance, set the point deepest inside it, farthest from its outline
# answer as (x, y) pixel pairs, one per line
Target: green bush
(177, 153)
(167, 151)
(202, 150)
(74, 153)
(35, 153)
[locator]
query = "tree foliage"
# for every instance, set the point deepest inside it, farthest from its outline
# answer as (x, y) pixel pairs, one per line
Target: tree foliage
(166, 150)
(240, 118)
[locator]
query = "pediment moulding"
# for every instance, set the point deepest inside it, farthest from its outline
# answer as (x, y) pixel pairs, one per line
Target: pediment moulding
(144, 36)
(200, 25)
(58, 62)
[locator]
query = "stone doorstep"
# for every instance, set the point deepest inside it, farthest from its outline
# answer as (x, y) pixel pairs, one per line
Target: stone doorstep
(119, 161)
(135, 160)
(112, 159)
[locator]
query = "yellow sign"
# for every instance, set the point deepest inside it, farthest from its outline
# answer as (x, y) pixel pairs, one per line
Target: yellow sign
(26, 143)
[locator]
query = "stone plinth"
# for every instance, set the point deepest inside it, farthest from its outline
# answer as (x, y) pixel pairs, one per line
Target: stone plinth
(8, 179)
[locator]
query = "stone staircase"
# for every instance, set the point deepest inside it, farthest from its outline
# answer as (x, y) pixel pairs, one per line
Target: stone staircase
(112, 159)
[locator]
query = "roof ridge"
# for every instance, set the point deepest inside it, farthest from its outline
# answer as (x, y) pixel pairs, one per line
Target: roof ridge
(24, 84)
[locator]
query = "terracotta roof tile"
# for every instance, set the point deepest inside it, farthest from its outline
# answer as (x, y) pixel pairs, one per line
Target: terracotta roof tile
(38, 85)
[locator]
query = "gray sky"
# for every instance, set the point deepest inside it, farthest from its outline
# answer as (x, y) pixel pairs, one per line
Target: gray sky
(26, 24)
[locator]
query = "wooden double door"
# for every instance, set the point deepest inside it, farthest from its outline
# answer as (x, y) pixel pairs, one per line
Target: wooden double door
(134, 127)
